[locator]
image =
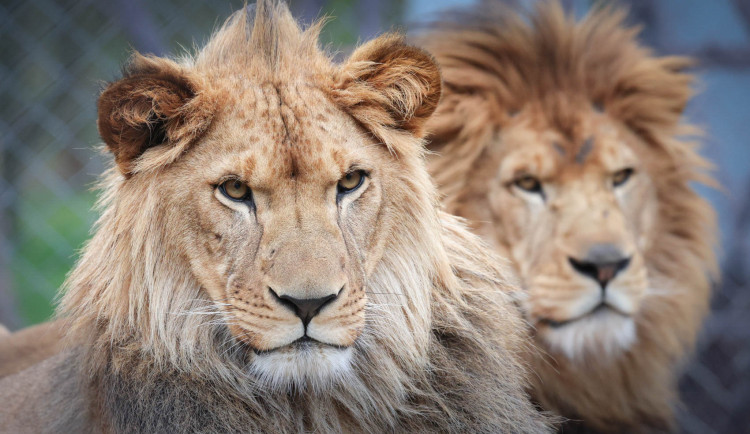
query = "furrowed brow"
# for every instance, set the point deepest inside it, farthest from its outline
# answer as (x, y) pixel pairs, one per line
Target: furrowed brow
(586, 148)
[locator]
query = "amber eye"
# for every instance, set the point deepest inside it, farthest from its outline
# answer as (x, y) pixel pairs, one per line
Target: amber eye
(528, 183)
(351, 181)
(235, 189)
(621, 176)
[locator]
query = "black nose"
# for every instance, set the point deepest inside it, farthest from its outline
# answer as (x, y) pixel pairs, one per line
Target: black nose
(602, 263)
(304, 308)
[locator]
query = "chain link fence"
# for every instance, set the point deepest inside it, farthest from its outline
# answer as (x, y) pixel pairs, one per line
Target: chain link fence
(54, 57)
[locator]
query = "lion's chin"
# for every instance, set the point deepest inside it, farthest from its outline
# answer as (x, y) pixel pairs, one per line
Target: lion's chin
(602, 333)
(302, 366)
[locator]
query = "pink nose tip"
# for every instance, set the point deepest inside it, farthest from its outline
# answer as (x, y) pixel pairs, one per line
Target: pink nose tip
(602, 263)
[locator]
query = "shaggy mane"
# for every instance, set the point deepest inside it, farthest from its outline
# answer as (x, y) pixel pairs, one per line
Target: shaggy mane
(548, 59)
(265, 42)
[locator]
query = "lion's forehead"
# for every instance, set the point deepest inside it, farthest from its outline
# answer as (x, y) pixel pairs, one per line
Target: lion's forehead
(548, 153)
(274, 132)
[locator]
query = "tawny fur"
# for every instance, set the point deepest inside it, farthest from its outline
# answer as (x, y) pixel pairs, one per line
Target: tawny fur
(164, 339)
(544, 79)
(29, 346)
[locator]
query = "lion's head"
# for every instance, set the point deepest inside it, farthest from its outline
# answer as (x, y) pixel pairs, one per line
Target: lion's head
(258, 187)
(271, 256)
(561, 141)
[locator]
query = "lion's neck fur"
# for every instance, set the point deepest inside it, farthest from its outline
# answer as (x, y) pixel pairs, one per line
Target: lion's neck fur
(433, 346)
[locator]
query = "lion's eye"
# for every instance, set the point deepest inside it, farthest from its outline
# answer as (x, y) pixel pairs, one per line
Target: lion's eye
(621, 176)
(235, 189)
(528, 183)
(351, 181)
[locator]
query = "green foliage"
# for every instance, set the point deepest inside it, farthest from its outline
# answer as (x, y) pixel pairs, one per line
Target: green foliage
(49, 230)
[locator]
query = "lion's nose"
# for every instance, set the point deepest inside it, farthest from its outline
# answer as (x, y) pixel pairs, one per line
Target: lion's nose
(304, 308)
(601, 263)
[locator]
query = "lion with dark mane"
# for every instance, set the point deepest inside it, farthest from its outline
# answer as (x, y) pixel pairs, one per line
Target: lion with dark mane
(562, 143)
(270, 256)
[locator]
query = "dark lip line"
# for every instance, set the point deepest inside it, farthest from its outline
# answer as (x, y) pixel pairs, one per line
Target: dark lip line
(601, 306)
(302, 340)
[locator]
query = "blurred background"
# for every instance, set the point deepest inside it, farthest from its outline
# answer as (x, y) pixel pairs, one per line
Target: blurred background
(56, 54)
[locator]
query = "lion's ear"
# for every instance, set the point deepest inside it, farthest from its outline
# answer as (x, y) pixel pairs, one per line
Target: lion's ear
(389, 84)
(154, 106)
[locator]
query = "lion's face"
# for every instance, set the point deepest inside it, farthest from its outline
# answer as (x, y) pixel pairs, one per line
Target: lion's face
(575, 215)
(281, 182)
(284, 224)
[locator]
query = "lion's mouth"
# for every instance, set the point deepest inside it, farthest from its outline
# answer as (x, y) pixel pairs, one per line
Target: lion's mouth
(602, 308)
(305, 343)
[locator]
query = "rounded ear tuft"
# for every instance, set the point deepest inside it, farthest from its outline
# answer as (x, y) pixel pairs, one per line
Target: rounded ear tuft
(148, 107)
(387, 83)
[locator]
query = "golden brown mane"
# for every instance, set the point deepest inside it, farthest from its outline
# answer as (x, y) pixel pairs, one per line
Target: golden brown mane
(497, 61)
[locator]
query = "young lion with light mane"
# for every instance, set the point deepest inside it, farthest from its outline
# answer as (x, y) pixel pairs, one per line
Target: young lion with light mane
(562, 144)
(270, 257)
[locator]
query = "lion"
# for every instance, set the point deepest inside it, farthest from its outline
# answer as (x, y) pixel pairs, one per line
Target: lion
(271, 257)
(562, 142)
